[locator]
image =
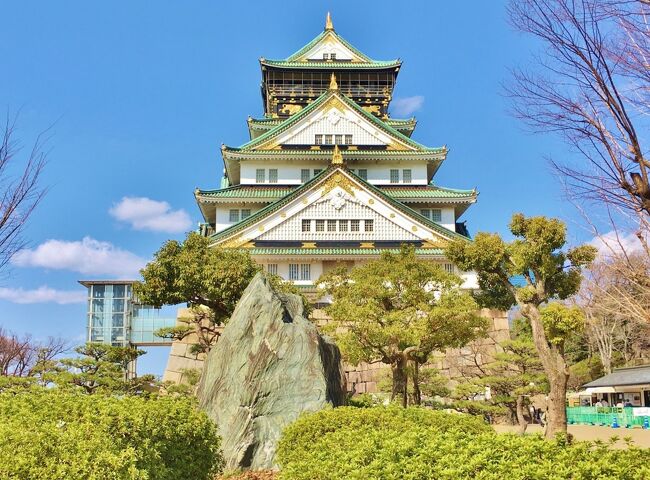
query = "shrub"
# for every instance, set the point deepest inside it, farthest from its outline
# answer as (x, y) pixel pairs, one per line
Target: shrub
(58, 435)
(417, 444)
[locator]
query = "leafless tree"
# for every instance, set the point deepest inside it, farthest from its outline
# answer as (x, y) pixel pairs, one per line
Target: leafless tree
(616, 300)
(591, 84)
(20, 192)
(21, 356)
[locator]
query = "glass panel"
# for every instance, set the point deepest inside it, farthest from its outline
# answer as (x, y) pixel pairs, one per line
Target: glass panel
(118, 320)
(118, 291)
(98, 291)
(98, 306)
(118, 305)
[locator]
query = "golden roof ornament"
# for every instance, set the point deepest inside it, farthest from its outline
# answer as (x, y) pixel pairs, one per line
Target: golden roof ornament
(328, 22)
(333, 84)
(337, 158)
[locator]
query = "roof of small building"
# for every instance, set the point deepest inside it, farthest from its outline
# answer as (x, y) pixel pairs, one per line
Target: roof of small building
(623, 376)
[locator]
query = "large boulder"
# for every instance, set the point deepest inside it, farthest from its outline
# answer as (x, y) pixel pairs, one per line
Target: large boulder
(269, 365)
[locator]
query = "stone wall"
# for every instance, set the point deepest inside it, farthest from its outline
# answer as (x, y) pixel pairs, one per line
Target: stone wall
(364, 377)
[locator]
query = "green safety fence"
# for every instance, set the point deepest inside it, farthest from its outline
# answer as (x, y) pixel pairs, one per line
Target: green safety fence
(604, 416)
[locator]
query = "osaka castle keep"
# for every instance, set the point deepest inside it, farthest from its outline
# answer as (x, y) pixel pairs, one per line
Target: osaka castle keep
(327, 175)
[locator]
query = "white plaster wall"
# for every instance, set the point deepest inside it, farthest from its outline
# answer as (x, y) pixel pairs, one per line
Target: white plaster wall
(222, 219)
(289, 172)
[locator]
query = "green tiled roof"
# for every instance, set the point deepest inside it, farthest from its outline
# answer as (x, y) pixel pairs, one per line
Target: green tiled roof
(336, 251)
(292, 120)
(252, 191)
(329, 65)
(345, 152)
(315, 180)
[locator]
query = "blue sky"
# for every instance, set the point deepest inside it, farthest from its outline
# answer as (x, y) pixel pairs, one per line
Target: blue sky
(138, 97)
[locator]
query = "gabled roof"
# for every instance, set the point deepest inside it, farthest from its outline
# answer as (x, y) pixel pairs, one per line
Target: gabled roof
(231, 231)
(258, 126)
(623, 376)
(330, 97)
(358, 59)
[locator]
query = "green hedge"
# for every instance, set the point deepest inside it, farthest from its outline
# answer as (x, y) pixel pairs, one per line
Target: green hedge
(417, 444)
(56, 435)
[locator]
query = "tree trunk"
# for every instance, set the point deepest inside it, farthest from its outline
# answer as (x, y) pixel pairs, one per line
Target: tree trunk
(521, 418)
(399, 379)
(556, 370)
(417, 395)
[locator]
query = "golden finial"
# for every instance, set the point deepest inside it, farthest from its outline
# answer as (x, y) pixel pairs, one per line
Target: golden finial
(333, 84)
(328, 22)
(337, 158)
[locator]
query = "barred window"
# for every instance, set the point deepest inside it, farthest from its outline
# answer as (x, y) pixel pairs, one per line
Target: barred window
(406, 176)
(326, 56)
(317, 171)
(343, 225)
(304, 175)
(305, 271)
(368, 225)
(436, 214)
(333, 56)
(348, 139)
(272, 268)
(331, 225)
(354, 225)
(273, 175)
(449, 267)
(318, 140)
(293, 271)
(260, 175)
(320, 225)
(394, 176)
(425, 212)
(234, 216)
(338, 139)
(328, 139)
(306, 225)
(363, 173)
(245, 213)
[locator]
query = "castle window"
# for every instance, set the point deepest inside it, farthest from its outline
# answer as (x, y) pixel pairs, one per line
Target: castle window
(449, 267)
(326, 56)
(245, 213)
(328, 139)
(406, 176)
(368, 225)
(394, 176)
(273, 175)
(436, 215)
(293, 271)
(234, 216)
(304, 175)
(306, 225)
(338, 139)
(305, 271)
(426, 212)
(272, 268)
(332, 56)
(317, 171)
(260, 175)
(318, 140)
(348, 139)
(354, 225)
(363, 173)
(343, 225)
(320, 225)
(331, 225)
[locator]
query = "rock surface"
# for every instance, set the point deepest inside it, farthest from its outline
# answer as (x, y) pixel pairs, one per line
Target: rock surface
(269, 365)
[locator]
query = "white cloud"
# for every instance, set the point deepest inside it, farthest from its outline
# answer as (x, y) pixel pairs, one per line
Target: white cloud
(612, 243)
(42, 295)
(146, 214)
(88, 256)
(407, 105)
